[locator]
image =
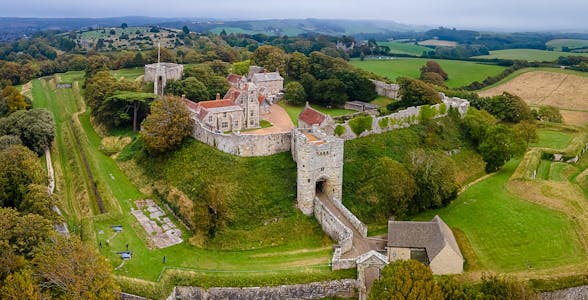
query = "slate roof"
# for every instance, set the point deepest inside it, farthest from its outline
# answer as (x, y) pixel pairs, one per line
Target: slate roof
(269, 76)
(311, 116)
(433, 236)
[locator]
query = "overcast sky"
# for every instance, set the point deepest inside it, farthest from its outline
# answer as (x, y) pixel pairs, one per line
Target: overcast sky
(496, 14)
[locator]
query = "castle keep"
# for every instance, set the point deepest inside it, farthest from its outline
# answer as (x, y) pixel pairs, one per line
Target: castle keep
(160, 73)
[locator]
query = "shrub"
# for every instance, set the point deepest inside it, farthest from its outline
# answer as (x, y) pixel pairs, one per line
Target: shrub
(442, 109)
(383, 123)
(339, 130)
(360, 124)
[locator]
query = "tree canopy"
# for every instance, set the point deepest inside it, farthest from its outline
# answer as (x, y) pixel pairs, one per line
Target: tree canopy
(11, 100)
(167, 125)
(295, 93)
(414, 92)
(35, 128)
(19, 167)
(404, 280)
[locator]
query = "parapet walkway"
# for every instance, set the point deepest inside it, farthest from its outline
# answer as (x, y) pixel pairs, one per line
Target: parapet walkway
(360, 244)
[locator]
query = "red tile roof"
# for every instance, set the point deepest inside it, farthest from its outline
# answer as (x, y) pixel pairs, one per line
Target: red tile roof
(215, 103)
(311, 116)
(232, 94)
(234, 78)
(191, 105)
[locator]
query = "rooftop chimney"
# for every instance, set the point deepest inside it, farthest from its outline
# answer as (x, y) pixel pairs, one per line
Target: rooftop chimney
(217, 96)
(183, 97)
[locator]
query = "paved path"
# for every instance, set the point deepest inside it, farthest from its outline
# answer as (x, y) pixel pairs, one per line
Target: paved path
(280, 120)
(61, 228)
(361, 245)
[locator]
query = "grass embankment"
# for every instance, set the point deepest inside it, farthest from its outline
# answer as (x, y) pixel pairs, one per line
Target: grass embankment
(461, 73)
(381, 101)
(294, 111)
(405, 48)
(299, 252)
(528, 54)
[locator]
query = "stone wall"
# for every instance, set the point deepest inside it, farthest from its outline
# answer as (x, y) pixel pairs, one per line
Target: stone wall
(406, 117)
(332, 226)
(243, 144)
(575, 293)
(386, 89)
(362, 228)
(345, 288)
(338, 263)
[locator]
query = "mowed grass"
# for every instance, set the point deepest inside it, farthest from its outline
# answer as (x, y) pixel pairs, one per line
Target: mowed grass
(460, 73)
(294, 111)
(557, 44)
(130, 73)
(382, 101)
(528, 54)
(405, 48)
(510, 234)
(553, 139)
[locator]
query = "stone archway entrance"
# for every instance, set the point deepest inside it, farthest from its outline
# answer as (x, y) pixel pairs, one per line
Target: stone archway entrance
(160, 86)
(320, 186)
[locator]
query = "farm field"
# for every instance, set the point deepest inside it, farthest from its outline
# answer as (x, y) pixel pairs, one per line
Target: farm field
(440, 43)
(557, 44)
(138, 38)
(302, 259)
(405, 48)
(460, 73)
(565, 91)
(528, 54)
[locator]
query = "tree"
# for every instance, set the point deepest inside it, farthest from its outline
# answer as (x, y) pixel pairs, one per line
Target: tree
(358, 87)
(475, 124)
(414, 92)
(11, 100)
(499, 146)
(23, 233)
(434, 174)
(9, 140)
(432, 78)
(167, 125)
(270, 57)
(137, 100)
(74, 270)
(194, 89)
(433, 67)
(20, 285)
(216, 85)
(38, 201)
(241, 67)
(185, 29)
(494, 288)
(297, 65)
(406, 279)
(35, 128)
(527, 132)
(388, 187)
(124, 25)
(295, 93)
(19, 167)
(548, 113)
(330, 92)
(506, 107)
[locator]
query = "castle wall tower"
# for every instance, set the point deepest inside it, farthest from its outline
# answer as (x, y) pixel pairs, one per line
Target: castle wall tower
(160, 73)
(251, 107)
(319, 159)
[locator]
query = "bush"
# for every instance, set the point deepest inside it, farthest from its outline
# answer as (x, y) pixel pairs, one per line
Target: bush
(360, 124)
(384, 122)
(340, 130)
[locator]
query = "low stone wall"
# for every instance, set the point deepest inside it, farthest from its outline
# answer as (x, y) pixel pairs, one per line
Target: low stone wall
(332, 226)
(389, 90)
(405, 118)
(362, 228)
(338, 263)
(346, 288)
(244, 144)
(125, 296)
(575, 293)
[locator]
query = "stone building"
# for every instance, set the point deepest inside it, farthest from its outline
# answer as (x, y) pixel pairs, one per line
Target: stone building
(389, 90)
(431, 243)
(269, 84)
(319, 162)
(238, 110)
(160, 73)
(310, 117)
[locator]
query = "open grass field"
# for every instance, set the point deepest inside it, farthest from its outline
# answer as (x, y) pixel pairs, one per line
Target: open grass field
(553, 139)
(381, 101)
(405, 48)
(130, 73)
(438, 43)
(510, 234)
(294, 111)
(460, 73)
(528, 54)
(302, 258)
(561, 89)
(557, 44)
(139, 38)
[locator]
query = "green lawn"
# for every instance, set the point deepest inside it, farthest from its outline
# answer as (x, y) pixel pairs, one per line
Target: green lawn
(553, 139)
(508, 233)
(381, 101)
(528, 54)
(460, 73)
(557, 44)
(294, 111)
(130, 74)
(405, 48)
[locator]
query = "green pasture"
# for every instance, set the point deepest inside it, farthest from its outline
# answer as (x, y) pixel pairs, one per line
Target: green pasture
(528, 54)
(100, 33)
(130, 73)
(558, 44)
(460, 73)
(553, 139)
(405, 48)
(510, 234)
(294, 111)
(382, 101)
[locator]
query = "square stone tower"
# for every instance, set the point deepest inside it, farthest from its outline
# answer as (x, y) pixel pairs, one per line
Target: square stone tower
(160, 73)
(319, 159)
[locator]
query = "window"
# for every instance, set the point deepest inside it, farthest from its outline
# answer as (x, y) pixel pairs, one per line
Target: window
(225, 124)
(251, 122)
(209, 118)
(224, 115)
(252, 113)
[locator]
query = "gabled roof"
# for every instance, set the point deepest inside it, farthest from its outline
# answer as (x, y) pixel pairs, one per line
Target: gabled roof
(372, 254)
(232, 94)
(191, 105)
(215, 103)
(234, 78)
(432, 236)
(311, 116)
(269, 76)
